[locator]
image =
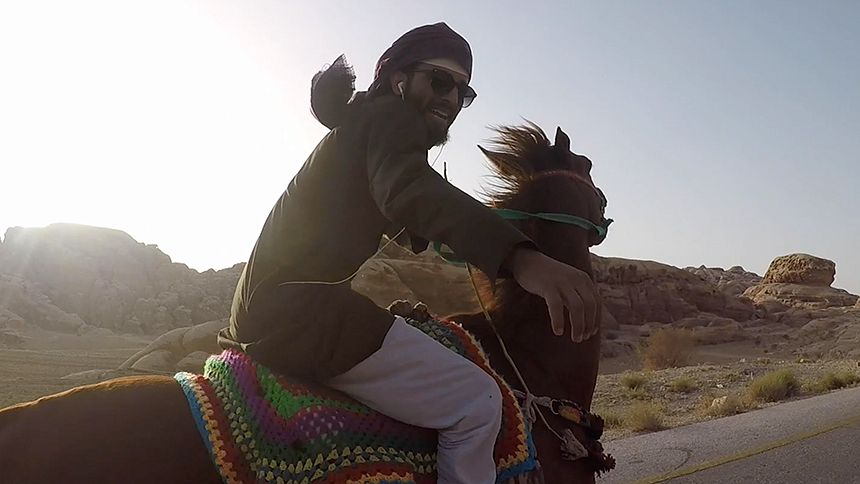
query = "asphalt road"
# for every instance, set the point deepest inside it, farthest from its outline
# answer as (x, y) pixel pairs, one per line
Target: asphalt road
(831, 458)
(810, 440)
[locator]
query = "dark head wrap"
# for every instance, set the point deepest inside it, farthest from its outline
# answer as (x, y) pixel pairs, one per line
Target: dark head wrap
(426, 42)
(333, 88)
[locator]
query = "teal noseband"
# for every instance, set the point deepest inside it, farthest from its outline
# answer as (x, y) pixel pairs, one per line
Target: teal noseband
(509, 214)
(601, 230)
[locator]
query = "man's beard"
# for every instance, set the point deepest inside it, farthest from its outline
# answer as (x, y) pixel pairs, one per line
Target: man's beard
(436, 137)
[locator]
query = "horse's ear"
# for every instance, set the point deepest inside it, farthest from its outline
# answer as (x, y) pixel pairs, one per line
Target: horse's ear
(489, 154)
(562, 141)
(506, 164)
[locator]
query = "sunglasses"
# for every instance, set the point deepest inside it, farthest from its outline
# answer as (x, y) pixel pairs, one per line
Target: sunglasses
(442, 83)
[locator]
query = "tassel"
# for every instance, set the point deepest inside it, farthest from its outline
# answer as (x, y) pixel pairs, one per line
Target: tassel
(571, 447)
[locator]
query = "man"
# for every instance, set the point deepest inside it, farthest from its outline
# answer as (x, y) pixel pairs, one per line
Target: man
(294, 310)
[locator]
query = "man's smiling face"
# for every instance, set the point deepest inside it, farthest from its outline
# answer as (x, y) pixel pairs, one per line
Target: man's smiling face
(439, 88)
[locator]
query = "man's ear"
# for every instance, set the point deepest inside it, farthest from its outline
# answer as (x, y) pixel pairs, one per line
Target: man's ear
(398, 80)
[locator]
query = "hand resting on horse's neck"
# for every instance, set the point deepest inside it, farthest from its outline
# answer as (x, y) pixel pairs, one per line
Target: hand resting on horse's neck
(562, 286)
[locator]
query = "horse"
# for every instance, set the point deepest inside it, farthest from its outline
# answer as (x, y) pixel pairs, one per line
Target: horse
(142, 428)
(535, 177)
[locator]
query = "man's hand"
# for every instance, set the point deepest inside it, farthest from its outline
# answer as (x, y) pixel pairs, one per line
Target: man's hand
(562, 286)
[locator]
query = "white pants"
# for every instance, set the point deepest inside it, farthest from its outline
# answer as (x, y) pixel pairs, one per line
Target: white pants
(414, 379)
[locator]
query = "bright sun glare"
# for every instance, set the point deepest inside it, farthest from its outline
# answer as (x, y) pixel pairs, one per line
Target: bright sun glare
(113, 111)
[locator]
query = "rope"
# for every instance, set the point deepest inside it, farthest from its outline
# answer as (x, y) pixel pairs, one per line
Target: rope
(530, 403)
(529, 406)
(349, 277)
(571, 448)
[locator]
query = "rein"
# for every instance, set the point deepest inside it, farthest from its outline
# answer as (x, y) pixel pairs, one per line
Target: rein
(571, 447)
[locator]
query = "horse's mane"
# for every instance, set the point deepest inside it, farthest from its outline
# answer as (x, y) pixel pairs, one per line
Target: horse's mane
(517, 153)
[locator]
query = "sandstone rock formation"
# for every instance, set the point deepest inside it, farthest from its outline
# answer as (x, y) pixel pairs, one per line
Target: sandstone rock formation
(104, 278)
(799, 282)
(793, 302)
(801, 269)
(733, 281)
(21, 303)
(780, 295)
(833, 335)
(169, 349)
(796, 292)
(638, 292)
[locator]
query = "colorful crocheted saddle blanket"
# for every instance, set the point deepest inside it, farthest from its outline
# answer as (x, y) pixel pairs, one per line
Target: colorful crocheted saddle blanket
(264, 428)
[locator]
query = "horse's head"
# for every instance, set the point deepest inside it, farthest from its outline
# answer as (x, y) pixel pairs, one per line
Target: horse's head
(548, 190)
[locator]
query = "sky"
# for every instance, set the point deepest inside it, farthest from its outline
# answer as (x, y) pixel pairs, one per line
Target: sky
(722, 133)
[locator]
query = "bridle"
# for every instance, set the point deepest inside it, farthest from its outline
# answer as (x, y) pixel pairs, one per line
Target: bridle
(571, 219)
(571, 174)
(510, 214)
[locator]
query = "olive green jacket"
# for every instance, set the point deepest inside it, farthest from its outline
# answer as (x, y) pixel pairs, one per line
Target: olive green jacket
(367, 177)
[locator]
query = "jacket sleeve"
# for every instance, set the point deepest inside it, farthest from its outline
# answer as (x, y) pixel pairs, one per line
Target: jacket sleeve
(408, 240)
(410, 193)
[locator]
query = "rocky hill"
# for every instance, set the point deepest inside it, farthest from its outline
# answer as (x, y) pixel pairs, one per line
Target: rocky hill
(76, 278)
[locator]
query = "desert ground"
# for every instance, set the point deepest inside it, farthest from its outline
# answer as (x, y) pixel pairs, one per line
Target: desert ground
(39, 368)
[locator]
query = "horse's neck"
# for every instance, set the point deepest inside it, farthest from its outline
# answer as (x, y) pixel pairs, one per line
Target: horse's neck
(551, 365)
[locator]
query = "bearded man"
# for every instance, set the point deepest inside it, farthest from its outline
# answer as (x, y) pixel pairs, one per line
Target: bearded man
(294, 310)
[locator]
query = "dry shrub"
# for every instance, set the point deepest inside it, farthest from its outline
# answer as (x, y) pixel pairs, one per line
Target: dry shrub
(774, 386)
(633, 381)
(683, 384)
(634, 384)
(667, 348)
(644, 416)
(612, 419)
(833, 380)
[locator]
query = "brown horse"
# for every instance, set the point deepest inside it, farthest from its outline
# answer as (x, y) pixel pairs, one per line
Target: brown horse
(140, 429)
(538, 178)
